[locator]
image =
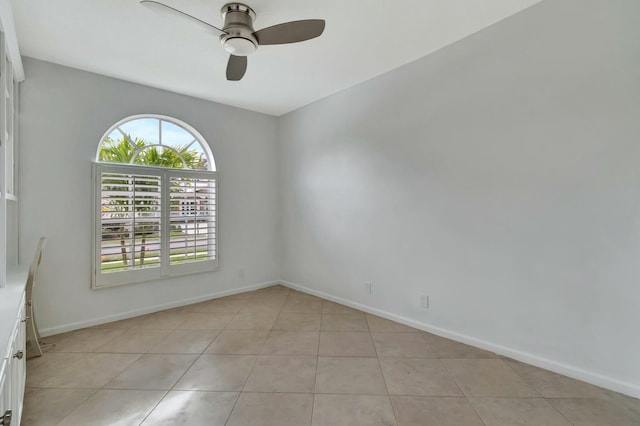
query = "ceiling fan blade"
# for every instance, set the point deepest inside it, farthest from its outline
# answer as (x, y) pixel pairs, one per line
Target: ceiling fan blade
(236, 67)
(156, 5)
(290, 32)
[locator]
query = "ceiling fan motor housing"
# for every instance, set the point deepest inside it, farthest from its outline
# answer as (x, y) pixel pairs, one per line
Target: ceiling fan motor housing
(238, 27)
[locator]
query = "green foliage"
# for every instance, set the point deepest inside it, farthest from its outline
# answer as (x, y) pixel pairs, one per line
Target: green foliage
(123, 151)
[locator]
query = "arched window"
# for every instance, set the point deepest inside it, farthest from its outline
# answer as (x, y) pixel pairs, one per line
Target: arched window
(155, 141)
(155, 202)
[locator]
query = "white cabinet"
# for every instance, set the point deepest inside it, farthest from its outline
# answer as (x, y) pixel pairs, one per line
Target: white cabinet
(5, 392)
(13, 373)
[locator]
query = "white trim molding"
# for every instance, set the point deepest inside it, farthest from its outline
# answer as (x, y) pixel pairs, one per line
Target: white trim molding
(11, 38)
(593, 378)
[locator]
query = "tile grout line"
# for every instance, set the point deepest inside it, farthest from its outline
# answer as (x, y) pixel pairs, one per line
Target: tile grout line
(464, 395)
(251, 371)
(76, 407)
(315, 377)
(154, 407)
(521, 378)
(560, 412)
(171, 330)
(173, 386)
(536, 391)
(384, 379)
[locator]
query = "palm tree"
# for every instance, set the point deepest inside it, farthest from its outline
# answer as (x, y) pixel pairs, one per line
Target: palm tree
(137, 151)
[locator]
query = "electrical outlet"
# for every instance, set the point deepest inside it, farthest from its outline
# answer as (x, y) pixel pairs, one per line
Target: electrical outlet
(424, 301)
(241, 273)
(368, 287)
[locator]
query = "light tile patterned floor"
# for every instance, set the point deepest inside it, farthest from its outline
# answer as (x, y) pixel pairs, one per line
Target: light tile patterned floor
(280, 357)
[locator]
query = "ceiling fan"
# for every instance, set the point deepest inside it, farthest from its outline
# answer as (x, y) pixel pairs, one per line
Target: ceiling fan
(238, 36)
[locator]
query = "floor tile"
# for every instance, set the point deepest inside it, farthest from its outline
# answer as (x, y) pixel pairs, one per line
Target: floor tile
(153, 372)
(76, 370)
(346, 343)
(134, 340)
(272, 409)
(85, 340)
(293, 321)
(344, 322)
(518, 412)
(595, 412)
(302, 304)
(206, 320)
(223, 305)
(418, 377)
(165, 320)
(336, 308)
(283, 373)
(123, 324)
(267, 303)
(185, 342)
(624, 401)
(217, 373)
(402, 345)
(487, 378)
(382, 325)
(47, 407)
(114, 408)
(434, 411)
(216, 305)
(291, 343)
(253, 321)
(349, 375)
(193, 408)
(352, 410)
(238, 342)
(265, 363)
(552, 385)
(446, 348)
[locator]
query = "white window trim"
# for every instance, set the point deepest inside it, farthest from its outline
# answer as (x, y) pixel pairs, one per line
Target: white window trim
(99, 280)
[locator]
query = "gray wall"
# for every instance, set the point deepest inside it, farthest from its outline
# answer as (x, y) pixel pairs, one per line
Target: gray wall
(500, 176)
(64, 113)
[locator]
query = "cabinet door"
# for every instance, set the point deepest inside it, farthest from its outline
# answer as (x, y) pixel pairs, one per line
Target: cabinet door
(5, 388)
(18, 364)
(13, 372)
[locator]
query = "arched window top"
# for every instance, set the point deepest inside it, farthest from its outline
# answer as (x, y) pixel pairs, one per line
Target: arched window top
(155, 140)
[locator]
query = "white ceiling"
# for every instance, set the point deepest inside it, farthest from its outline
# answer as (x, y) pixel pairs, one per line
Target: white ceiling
(362, 39)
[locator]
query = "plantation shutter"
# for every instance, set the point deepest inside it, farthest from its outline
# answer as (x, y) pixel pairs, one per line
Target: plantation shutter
(192, 201)
(152, 223)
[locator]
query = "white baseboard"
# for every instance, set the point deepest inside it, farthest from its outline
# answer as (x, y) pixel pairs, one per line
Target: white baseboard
(150, 309)
(593, 378)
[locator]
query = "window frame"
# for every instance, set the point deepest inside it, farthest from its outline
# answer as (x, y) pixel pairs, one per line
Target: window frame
(166, 269)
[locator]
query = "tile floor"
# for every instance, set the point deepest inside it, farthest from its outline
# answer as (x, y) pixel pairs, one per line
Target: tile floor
(280, 357)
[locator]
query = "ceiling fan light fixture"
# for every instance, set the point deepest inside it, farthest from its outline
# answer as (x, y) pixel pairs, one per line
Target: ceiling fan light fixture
(239, 46)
